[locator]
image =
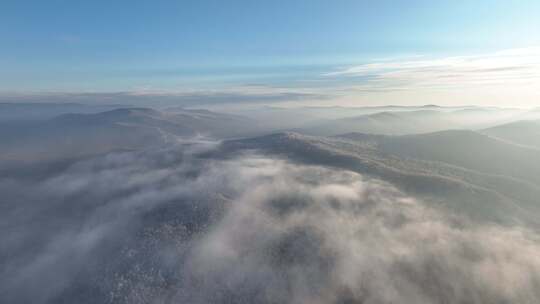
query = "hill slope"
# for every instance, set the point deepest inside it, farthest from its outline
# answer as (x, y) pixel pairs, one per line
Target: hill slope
(462, 148)
(478, 194)
(525, 132)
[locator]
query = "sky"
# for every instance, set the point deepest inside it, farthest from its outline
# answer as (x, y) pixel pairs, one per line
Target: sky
(312, 52)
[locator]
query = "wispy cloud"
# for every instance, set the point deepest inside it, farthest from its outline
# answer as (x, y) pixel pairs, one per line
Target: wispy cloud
(499, 78)
(155, 97)
(509, 67)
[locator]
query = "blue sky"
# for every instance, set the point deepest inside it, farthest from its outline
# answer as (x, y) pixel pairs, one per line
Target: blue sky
(273, 47)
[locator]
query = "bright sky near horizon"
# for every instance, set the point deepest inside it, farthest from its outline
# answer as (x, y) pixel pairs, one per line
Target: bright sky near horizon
(310, 52)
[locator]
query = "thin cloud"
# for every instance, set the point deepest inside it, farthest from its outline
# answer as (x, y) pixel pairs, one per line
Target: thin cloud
(166, 98)
(509, 67)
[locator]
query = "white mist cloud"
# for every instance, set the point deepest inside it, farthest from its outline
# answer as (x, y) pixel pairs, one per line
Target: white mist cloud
(174, 226)
(314, 235)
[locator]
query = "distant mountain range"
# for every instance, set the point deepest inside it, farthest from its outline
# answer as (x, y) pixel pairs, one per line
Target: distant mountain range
(11, 112)
(414, 121)
(502, 145)
(119, 129)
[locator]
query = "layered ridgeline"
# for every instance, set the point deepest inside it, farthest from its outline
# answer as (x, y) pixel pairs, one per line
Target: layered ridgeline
(89, 131)
(415, 120)
(79, 134)
(32, 111)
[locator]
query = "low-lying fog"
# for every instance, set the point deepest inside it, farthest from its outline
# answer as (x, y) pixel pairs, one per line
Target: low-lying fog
(145, 206)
